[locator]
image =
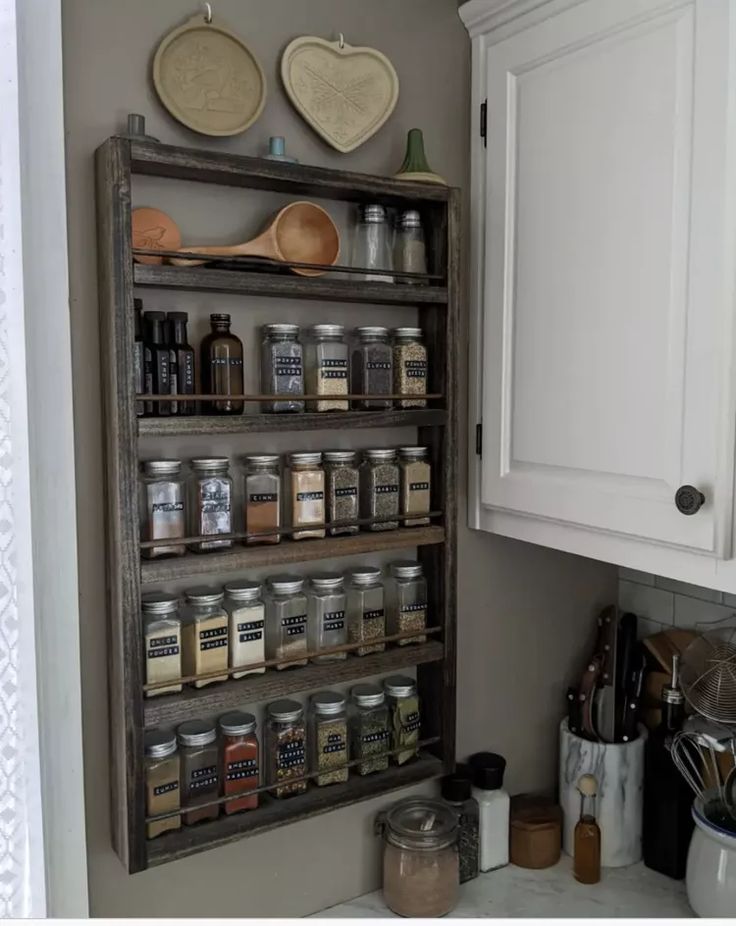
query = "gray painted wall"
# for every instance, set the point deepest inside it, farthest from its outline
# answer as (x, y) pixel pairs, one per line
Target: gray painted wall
(523, 610)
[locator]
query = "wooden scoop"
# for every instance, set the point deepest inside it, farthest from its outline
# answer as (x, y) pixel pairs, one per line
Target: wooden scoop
(153, 230)
(301, 232)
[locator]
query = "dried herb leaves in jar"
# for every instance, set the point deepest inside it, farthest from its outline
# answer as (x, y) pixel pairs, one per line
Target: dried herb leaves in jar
(410, 367)
(262, 484)
(162, 781)
(286, 621)
(211, 505)
(416, 484)
(282, 368)
(370, 736)
(328, 737)
(342, 483)
(286, 748)
(162, 507)
(205, 635)
(379, 489)
(162, 641)
(366, 610)
(403, 702)
(327, 368)
(306, 480)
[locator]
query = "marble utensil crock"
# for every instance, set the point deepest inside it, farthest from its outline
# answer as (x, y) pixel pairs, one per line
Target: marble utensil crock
(619, 771)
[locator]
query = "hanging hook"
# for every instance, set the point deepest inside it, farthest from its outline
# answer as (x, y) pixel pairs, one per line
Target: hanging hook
(208, 13)
(340, 40)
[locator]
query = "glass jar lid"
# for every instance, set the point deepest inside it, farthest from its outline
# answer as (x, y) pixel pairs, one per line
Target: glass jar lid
(366, 575)
(159, 603)
(285, 710)
(368, 695)
(339, 456)
(371, 331)
(243, 591)
(413, 334)
(204, 594)
(413, 453)
(157, 744)
(196, 733)
(285, 584)
(281, 330)
(261, 459)
(210, 464)
(305, 459)
(382, 454)
(162, 467)
(237, 723)
(328, 702)
(410, 219)
(400, 686)
(327, 331)
(373, 213)
(421, 823)
(322, 581)
(406, 569)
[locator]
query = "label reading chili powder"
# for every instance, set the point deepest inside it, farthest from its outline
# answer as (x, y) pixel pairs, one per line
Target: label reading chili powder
(203, 778)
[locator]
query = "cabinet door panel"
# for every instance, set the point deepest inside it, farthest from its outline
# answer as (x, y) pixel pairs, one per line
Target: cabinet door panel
(607, 314)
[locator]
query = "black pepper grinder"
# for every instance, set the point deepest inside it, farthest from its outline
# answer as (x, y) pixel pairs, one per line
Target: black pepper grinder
(157, 354)
(457, 792)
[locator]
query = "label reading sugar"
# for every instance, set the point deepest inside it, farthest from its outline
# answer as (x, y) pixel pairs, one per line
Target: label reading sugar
(333, 620)
(291, 754)
(165, 789)
(294, 626)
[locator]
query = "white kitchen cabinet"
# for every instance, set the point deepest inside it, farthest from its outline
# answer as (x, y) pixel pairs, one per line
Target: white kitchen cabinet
(603, 265)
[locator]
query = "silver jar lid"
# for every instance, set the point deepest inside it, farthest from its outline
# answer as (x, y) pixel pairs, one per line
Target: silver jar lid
(237, 723)
(382, 454)
(157, 744)
(285, 710)
(368, 695)
(413, 453)
(339, 456)
(305, 459)
(159, 603)
(282, 330)
(373, 213)
(210, 464)
(243, 591)
(406, 569)
(204, 594)
(322, 581)
(409, 333)
(261, 460)
(410, 219)
(328, 702)
(369, 332)
(327, 331)
(285, 584)
(400, 686)
(421, 823)
(366, 575)
(162, 467)
(196, 733)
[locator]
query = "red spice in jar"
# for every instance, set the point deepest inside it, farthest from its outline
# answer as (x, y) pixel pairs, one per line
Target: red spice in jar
(240, 759)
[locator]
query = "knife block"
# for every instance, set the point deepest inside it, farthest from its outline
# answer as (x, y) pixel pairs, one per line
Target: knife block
(619, 771)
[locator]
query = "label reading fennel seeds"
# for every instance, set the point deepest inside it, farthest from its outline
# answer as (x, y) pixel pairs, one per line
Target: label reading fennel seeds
(415, 369)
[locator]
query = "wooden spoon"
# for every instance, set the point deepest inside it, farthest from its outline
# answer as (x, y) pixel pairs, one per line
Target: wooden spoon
(301, 232)
(153, 230)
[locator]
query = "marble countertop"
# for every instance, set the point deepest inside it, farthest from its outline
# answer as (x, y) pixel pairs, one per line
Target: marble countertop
(551, 892)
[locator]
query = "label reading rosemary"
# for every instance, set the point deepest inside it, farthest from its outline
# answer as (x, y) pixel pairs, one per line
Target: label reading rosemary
(333, 620)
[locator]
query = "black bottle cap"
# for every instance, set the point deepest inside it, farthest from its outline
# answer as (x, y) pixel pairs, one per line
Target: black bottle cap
(138, 305)
(177, 316)
(456, 788)
(154, 316)
(488, 769)
(220, 317)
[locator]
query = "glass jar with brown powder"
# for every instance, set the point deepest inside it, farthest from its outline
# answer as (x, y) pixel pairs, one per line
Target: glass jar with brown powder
(205, 635)
(162, 781)
(306, 493)
(200, 770)
(262, 498)
(415, 480)
(211, 505)
(162, 510)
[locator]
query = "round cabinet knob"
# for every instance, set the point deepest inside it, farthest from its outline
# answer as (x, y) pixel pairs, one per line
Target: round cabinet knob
(689, 500)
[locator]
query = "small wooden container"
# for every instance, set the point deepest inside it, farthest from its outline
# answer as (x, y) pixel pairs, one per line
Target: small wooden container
(536, 832)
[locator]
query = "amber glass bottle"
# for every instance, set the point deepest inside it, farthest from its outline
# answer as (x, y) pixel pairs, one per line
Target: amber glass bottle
(182, 357)
(222, 367)
(587, 840)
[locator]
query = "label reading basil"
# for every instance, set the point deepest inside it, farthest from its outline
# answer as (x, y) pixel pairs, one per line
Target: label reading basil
(310, 496)
(257, 498)
(165, 789)
(386, 489)
(418, 486)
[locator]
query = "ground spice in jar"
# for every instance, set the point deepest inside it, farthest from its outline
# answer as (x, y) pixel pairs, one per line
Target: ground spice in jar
(239, 760)
(286, 741)
(327, 368)
(246, 629)
(162, 641)
(410, 367)
(341, 481)
(307, 494)
(205, 635)
(200, 776)
(406, 600)
(416, 484)
(379, 488)
(366, 610)
(262, 498)
(329, 738)
(162, 781)
(401, 693)
(162, 507)
(373, 368)
(211, 505)
(370, 735)
(286, 621)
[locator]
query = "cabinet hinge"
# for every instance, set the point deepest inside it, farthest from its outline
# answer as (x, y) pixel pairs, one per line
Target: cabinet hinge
(484, 122)
(479, 439)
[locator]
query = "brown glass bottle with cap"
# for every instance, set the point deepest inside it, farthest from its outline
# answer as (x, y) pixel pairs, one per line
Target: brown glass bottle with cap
(587, 835)
(222, 367)
(182, 362)
(156, 352)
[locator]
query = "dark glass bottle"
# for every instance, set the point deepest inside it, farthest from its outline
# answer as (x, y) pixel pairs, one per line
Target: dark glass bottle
(139, 374)
(587, 835)
(182, 359)
(157, 354)
(668, 824)
(222, 367)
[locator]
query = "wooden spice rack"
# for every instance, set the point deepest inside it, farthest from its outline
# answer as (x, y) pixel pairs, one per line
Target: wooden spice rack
(117, 160)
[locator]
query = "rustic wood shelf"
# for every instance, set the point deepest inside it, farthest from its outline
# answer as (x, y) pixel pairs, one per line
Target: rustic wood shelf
(242, 558)
(306, 421)
(167, 710)
(274, 812)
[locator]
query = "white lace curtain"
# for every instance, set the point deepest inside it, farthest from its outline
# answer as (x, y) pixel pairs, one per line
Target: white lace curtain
(22, 892)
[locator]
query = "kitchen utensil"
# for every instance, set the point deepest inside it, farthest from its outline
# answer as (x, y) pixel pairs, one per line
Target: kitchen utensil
(632, 700)
(625, 665)
(586, 696)
(711, 865)
(301, 232)
(574, 716)
(153, 230)
(708, 675)
(695, 752)
(606, 697)
(663, 646)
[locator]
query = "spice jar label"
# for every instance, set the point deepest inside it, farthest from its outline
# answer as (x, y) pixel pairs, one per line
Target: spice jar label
(166, 507)
(411, 722)
(335, 743)
(212, 639)
(415, 369)
(259, 498)
(310, 496)
(294, 626)
(377, 737)
(226, 361)
(333, 620)
(378, 365)
(163, 651)
(334, 369)
(249, 631)
(165, 788)
(409, 608)
(204, 777)
(244, 768)
(386, 489)
(346, 492)
(418, 486)
(287, 366)
(375, 614)
(291, 754)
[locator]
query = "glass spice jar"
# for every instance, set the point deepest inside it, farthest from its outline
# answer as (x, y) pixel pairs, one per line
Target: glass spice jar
(379, 489)
(342, 481)
(327, 368)
(365, 607)
(326, 608)
(372, 244)
(221, 367)
(282, 368)
(372, 368)
(410, 367)
(286, 621)
(162, 781)
(246, 629)
(406, 600)
(162, 641)
(240, 760)
(328, 738)
(205, 635)
(285, 745)
(211, 503)
(262, 498)
(306, 479)
(162, 509)
(200, 777)
(410, 252)
(415, 480)
(369, 729)
(405, 720)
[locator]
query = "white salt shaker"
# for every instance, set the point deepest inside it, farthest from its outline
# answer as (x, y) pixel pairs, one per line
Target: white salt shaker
(495, 805)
